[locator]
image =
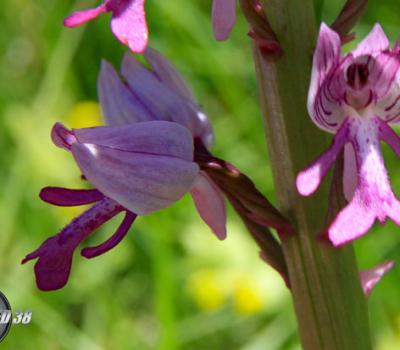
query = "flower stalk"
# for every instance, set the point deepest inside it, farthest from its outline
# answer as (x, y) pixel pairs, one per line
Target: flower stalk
(329, 302)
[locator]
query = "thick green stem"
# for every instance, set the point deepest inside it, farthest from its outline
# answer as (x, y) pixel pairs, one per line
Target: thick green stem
(329, 302)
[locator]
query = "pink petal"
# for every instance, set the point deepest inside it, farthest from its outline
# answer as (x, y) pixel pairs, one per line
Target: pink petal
(128, 23)
(322, 105)
(81, 17)
(349, 172)
(223, 18)
(309, 179)
(210, 204)
(375, 42)
(119, 105)
(390, 137)
(373, 197)
(369, 278)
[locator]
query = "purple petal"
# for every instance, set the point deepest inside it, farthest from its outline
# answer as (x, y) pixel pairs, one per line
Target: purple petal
(115, 239)
(128, 23)
(369, 278)
(385, 81)
(81, 17)
(210, 204)
(373, 197)
(166, 73)
(349, 172)
(144, 167)
(150, 138)
(309, 179)
(55, 254)
(66, 197)
(158, 98)
(322, 105)
(390, 137)
(375, 42)
(119, 105)
(223, 18)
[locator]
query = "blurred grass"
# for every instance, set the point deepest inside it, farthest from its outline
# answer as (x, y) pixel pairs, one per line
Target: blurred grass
(170, 284)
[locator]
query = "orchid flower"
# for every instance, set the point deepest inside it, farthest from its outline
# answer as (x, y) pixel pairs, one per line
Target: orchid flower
(141, 95)
(223, 18)
(356, 97)
(128, 21)
(136, 169)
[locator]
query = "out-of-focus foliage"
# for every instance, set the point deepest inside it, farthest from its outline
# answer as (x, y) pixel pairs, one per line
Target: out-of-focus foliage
(170, 284)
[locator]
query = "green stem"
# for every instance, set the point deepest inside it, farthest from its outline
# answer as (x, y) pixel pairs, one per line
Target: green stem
(330, 305)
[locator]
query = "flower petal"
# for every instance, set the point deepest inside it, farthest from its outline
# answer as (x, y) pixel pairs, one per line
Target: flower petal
(116, 238)
(373, 197)
(66, 197)
(119, 105)
(369, 278)
(390, 137)
(81, 17)
(55, 254)
(149, 138)
(223, 18)
(166, 73)
(322, 104)
(210, 204)
(309, 179)
(158, 98)
(144, 167)
(375, 42)
(349, 172)
(128, 23)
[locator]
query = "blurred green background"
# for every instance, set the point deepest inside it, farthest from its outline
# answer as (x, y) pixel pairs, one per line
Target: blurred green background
(170, 284)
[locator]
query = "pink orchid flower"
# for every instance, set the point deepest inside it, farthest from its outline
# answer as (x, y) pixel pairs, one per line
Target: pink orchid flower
(128, 21)
(356, 97)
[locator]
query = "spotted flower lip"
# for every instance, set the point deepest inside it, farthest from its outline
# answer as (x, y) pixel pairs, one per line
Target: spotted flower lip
(223, 18)
(356, 97)
(128, 21)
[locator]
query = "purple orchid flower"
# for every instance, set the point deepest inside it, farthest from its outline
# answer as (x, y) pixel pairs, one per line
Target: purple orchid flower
(141, 95)
(356, 97)
(223, 18)
(136, 169)
(128, 22)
